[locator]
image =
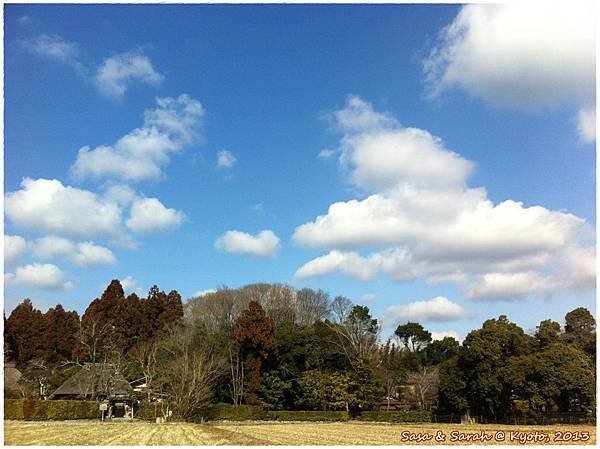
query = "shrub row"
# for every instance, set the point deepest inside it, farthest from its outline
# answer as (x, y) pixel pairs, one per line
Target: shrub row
(230, 412)
(287, 415)
(32, 409)
(397, 416)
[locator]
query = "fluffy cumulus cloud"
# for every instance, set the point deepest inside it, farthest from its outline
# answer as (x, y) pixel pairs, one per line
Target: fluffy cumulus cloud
(420, 219)
(348, 263)
(439, 309)
(263, 244)
(49, 206)
(14, 247)
(117, 72)
(225, 159)
(522, 54)
(150, 215)
(85, 254)
(39, 276)
(53, 47)
(142, 153)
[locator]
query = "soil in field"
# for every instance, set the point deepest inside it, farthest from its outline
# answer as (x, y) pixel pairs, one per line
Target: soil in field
(271, 433)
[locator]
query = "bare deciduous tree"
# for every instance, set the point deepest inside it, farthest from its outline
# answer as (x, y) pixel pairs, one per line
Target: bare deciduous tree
(236, 365)
(184, 376)
(425, 384)
(340, 308)
(311, 305)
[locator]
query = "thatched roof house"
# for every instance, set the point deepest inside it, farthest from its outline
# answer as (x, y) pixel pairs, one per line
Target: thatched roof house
(94, 380)
(11, 377)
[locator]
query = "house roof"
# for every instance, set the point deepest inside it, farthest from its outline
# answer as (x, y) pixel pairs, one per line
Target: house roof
(101, 378)
(11, 376)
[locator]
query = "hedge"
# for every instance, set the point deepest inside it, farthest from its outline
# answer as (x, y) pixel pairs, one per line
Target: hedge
(229, 412)
(144, 410)
(288, 415)
(397, 416)
(32, 409)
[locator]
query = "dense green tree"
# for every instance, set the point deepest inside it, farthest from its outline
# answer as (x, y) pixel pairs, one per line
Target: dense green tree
(547, 333)
(391, 368)
(325, 391)
(439, 351)
(413, 336)
(580, 330)
(559, 378)
(452, 394)
(365, 388)
(484, 352)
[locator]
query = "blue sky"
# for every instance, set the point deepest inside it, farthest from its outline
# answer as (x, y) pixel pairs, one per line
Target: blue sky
(462, 159)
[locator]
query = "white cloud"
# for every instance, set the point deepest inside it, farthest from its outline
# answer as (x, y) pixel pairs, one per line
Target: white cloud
(53, 47)
(41, 276)
(115, 73)
(122, 195)
(263, 244)
(150, 215)
(421, 222)
(521, 54)
(586, 124)
(202, 293)
(326, 153)
(348, 263)
(441, 335)
(439, 309)
(359, 115)
(143, 152)
(394, 158)
(506, 285)
(130, 285)
(85, 254)
(368, 297)
(47, 205)
(225, 159)
(14, 247)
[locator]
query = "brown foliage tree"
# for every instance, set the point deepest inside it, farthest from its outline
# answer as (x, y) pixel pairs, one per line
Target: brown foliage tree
(255, 333)
(59, 334)
(22, 332)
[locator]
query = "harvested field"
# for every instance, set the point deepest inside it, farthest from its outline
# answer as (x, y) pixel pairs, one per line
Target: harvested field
(275, 433)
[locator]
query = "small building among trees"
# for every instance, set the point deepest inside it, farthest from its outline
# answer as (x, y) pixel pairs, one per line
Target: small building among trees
(103, 382)
(12, 376)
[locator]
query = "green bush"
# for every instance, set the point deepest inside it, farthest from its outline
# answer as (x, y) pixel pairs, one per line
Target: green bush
(301, 415)
(13, 409)
(396, 416)
(32, 409)
(145, 410)
(229, 412)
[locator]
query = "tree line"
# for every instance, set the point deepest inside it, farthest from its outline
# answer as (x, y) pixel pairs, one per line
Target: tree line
(287, 349)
